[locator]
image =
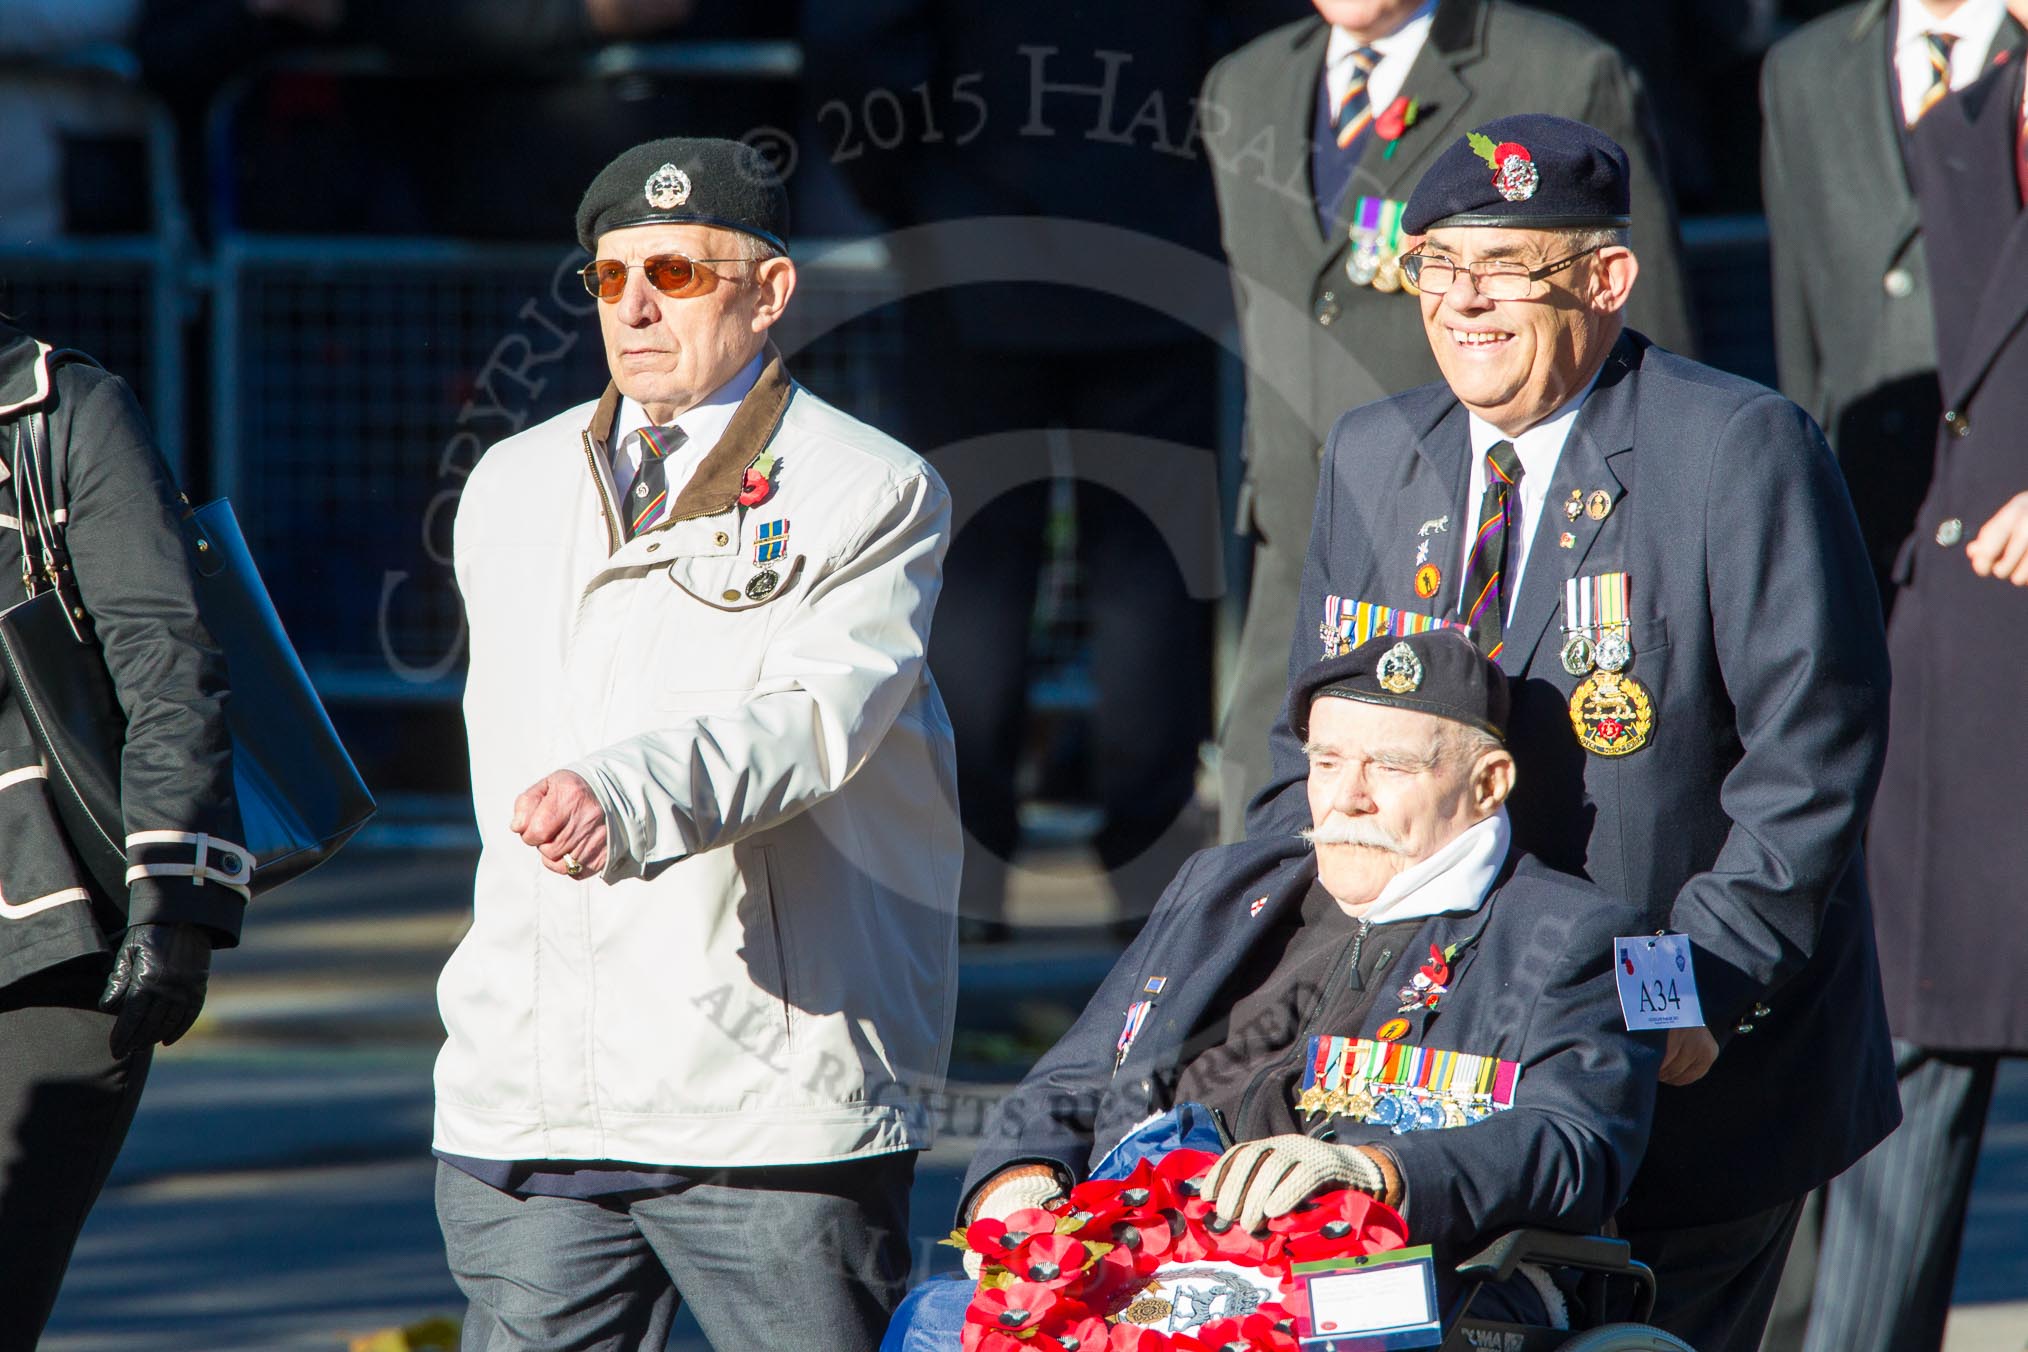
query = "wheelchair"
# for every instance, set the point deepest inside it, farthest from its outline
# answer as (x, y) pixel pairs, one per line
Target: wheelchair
(1611, 1280)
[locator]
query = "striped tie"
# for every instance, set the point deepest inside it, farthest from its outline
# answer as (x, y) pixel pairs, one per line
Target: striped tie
(1354, 113)
(1481, 601)
(1939, 73)
(648, 502)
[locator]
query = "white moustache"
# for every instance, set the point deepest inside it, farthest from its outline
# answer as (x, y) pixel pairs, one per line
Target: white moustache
(1354, 833)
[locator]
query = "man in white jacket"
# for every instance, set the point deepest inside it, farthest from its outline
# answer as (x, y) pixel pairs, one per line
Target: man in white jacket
(710, 977)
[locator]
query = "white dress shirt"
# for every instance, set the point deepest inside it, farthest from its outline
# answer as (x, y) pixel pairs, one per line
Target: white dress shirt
(1975, 24)
(703, 424)
(1539, 448)
(1397, 53)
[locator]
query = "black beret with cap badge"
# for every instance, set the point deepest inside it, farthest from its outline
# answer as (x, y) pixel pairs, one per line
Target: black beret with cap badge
(687, 180)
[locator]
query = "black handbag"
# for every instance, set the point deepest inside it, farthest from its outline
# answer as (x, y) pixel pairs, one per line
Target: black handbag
(300, 797)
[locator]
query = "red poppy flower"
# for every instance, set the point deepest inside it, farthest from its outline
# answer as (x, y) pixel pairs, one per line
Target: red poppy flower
(1506, 148)
(1181, 1170)
(1013, 1309)
(1114, 1277)
(1252, 1333)
(1087, 1334)
(1055, 1261)
(979, 1338)
(996, 1241)
(1341, 1224)
(1127, 1337)
(1223, 1239)
(1148, 1235)
(1436, 969)
(1392, 123)
(754, 488)
(1145, 1189)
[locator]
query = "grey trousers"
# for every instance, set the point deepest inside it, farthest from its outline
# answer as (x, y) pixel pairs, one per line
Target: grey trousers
(1716, 1283)
(1894, 1222)
(805, 1257)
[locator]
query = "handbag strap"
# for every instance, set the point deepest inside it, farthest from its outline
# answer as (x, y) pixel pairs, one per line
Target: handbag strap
(40, 462)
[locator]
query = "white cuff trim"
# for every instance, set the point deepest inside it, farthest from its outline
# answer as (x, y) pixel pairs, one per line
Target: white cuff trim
(200, 869)
(198, 876)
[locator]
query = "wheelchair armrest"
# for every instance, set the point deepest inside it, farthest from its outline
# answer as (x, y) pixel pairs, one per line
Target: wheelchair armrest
(1550, 1248)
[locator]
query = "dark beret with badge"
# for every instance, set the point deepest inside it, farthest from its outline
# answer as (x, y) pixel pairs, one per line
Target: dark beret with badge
(687, 180)
(1438, 671)
(1530, 171)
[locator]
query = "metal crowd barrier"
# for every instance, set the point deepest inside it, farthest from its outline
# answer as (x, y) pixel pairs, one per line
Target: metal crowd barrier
(122, 298)
(356, 381)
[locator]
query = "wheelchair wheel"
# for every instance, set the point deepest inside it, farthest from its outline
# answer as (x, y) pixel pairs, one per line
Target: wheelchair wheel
(1625, 1338)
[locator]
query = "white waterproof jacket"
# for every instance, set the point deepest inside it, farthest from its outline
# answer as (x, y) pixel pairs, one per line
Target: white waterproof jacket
(766, 971)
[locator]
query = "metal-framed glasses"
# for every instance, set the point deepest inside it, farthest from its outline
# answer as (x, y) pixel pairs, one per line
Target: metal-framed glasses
(1495, 279)
(671, 274)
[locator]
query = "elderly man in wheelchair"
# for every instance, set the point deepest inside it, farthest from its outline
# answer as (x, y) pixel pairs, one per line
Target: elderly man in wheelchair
(1311, 1004)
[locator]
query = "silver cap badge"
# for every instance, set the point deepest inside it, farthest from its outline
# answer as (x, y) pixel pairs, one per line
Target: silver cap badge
(668, 187)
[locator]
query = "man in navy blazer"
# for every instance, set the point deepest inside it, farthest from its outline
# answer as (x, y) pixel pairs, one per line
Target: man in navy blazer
(1302, 994)
(1664, 560)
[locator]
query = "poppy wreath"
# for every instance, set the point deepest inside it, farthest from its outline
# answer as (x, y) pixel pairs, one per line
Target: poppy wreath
(1059, 1278)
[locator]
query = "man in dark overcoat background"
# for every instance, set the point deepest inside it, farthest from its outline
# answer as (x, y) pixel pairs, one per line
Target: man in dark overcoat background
(1853, 341)
(1946, 854)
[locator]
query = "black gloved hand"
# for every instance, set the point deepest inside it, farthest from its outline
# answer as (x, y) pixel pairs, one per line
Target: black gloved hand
(157, 985)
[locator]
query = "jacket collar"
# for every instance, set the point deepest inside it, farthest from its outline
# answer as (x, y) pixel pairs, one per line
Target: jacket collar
(24, 372)
(714, 486)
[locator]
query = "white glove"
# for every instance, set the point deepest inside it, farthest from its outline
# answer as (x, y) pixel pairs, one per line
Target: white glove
(1258, 1179)
(1003, 1197)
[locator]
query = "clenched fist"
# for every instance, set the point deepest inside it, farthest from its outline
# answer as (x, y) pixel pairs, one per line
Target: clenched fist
(563, 821)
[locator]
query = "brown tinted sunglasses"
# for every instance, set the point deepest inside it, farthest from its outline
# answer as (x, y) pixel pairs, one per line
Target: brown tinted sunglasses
(671, 274)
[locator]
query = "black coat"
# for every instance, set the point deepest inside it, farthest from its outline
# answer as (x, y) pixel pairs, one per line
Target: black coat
(1948, 856)
(1853, 338)
(1535, 987)
(1755, 633)
(131, 555)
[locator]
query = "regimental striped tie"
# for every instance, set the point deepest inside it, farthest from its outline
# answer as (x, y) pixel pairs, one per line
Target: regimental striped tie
(1939, 73)
(1481, 601)
(648, 500)
(1354, 113)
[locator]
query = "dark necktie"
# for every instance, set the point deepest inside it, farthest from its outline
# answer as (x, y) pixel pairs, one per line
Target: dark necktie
(648, 500)
(1482, 603)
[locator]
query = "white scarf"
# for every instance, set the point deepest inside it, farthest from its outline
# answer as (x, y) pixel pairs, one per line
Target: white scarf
(1454, 880)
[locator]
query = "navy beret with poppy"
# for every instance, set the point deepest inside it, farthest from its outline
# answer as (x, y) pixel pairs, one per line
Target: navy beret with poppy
(1528, 171)
(1437, 672)
(687, 180)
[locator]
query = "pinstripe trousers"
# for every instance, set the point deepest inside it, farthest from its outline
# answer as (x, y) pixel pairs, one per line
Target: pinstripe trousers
(1894, 1222)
